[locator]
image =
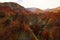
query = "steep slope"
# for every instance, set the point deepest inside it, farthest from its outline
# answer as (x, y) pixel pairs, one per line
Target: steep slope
(19, 23)
(13, 22)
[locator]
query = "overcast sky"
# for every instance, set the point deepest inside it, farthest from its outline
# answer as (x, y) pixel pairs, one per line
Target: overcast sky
(42, 4)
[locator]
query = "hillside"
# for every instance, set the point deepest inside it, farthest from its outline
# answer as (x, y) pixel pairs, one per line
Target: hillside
(19, 23)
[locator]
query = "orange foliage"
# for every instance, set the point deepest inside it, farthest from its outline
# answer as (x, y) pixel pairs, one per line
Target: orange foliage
(33, 26)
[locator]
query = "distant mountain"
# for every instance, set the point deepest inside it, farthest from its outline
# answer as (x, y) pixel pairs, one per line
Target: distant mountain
(53, 10)
(35, 10)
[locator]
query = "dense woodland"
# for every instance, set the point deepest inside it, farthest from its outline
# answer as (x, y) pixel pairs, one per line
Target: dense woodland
(17, 23)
